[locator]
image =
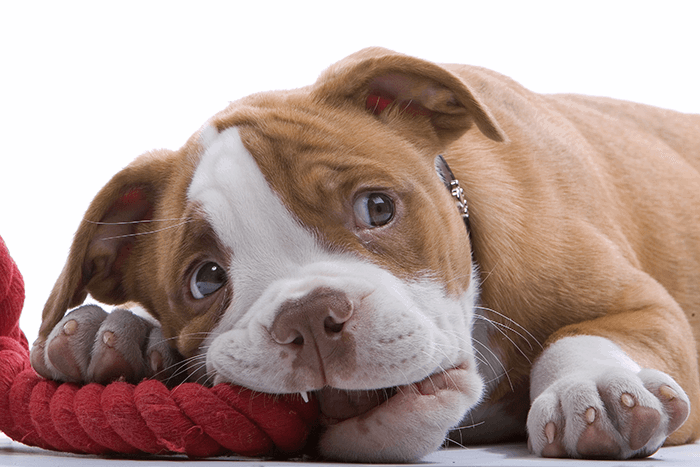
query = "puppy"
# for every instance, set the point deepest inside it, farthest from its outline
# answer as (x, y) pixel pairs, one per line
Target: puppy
(305, 242)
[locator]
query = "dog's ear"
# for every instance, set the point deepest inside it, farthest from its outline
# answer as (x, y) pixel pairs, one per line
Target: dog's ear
(377, 78)
(107, 237)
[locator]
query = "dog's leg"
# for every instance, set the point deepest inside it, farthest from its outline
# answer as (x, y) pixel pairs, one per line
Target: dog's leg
(591, 400)
(622, 382)
(90, 345)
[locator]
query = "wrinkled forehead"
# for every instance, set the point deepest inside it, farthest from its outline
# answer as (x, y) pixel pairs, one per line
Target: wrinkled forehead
(293, 136)
(274, 201)
(315, 158)
(253, 185)
(277, 204)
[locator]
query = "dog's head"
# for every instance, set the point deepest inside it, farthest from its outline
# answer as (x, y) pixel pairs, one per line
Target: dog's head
(301, 240)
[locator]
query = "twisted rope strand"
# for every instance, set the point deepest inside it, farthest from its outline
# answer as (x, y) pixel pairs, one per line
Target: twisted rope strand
(146, 418)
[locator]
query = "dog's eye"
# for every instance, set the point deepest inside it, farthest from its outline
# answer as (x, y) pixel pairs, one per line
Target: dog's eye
(373, 209)
(207, 279)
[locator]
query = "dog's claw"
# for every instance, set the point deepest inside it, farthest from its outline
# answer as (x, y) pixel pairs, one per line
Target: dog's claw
(70, 327)
(667, 392)
(554, 448)
(108, 339)
(550, 431)
(156, 361)
(627, 400)
(590, 415)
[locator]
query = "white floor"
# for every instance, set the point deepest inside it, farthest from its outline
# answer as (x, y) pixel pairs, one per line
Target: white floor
(516, 455)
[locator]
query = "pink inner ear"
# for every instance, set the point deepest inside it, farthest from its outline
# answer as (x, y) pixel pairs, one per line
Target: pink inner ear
(130, 208)
(134, 195)
(376, 104)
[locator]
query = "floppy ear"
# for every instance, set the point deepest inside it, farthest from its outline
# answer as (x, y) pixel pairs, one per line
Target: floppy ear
(378, 78)
(107, 237)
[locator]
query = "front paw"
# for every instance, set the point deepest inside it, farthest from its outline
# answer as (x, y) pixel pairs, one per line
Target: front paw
(615, 414)
(90, 345)
(409, 425)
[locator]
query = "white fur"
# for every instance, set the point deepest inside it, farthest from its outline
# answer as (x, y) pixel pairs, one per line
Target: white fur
(584, 355)
(405, 330)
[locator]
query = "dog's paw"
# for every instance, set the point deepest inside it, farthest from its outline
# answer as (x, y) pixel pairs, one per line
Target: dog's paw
(90, 345)
(409, 425)
(616, 414)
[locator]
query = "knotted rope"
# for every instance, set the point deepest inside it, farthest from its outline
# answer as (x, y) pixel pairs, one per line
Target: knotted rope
(147, 418)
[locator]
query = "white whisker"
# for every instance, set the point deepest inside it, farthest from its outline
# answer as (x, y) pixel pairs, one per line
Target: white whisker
(144, 221)
(149, 232)
(491, 310)
(505, 371)
(503, 333)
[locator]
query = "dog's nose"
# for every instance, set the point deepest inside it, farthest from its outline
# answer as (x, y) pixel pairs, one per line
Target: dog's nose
(318, 317)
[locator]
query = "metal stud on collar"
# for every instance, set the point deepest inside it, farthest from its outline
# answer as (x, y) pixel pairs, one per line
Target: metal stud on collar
(456, 191)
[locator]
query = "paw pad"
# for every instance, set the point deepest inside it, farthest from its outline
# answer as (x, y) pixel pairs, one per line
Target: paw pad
(675, 405)
(596, 441)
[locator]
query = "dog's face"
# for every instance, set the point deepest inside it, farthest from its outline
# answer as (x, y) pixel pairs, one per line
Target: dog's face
(302, 241)
(328, 277)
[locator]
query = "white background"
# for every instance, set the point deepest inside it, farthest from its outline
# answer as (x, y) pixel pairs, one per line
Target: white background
(86, 87)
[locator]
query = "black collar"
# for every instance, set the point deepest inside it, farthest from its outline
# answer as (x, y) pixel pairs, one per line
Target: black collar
(457, 192)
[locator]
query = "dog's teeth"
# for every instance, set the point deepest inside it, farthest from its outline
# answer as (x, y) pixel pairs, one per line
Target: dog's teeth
(304, 395)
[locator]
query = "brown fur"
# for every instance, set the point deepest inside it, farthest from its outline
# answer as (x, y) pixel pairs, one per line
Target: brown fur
(585, 211)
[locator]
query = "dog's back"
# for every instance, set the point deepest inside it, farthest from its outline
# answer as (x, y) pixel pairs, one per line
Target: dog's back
(657, 178)
(631, 170)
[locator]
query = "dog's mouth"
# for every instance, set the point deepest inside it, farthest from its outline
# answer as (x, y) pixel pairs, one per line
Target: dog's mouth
(337, 405)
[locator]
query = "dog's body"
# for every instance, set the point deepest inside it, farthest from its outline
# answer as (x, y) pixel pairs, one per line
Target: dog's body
(303, 242)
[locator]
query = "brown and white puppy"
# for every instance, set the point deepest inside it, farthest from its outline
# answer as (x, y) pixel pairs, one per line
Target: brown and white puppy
(302, 242)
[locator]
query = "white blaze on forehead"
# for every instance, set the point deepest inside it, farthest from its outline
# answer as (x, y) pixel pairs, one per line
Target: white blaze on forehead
(234, 192)
(246, 214)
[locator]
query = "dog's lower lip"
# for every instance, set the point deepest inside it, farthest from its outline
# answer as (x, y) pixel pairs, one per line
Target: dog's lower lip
(338, 405)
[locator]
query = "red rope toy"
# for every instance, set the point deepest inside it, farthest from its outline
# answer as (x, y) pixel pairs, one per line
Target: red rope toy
(147, 418)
